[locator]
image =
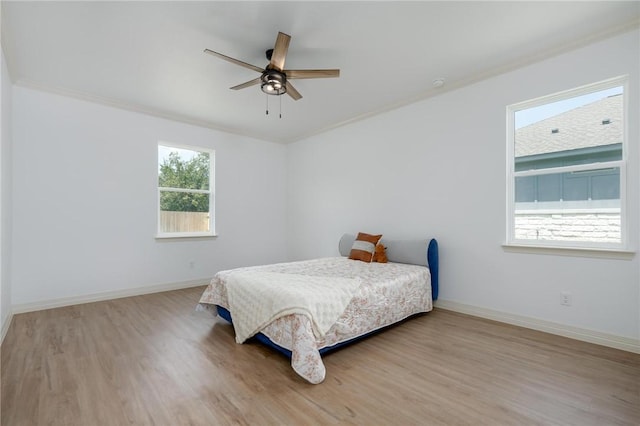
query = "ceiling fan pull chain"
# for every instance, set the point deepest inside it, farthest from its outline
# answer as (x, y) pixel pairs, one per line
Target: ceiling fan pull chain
(267, 96)
(280, 105)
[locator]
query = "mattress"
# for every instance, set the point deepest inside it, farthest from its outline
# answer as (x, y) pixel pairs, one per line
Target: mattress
(386, 293)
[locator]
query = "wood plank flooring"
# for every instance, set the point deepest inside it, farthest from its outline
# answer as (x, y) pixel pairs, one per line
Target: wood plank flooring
(152, 360)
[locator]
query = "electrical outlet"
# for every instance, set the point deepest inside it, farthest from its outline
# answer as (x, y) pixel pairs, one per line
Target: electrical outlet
(565, 298)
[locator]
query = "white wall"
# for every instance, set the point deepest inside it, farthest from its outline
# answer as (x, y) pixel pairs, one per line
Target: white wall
(5, 195)
(84, 200)
(437, 169)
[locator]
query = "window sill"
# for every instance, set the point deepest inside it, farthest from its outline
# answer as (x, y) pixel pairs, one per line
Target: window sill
(603, 253)
(185, 236)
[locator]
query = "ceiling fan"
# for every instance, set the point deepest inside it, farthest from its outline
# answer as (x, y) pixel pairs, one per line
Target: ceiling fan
(274, 79)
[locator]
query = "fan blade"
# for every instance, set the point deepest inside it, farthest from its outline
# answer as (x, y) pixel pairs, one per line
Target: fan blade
(234, 61)
(247, 84)
(280, 51)
(312, 73)
(291, 91)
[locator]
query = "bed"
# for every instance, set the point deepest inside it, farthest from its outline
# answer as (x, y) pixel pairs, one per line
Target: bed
(307, 308)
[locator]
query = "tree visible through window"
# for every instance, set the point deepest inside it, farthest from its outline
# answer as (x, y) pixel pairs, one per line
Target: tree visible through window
(185, 193)
(567, 165)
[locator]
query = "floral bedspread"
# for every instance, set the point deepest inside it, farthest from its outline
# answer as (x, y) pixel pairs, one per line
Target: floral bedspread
(388, 293)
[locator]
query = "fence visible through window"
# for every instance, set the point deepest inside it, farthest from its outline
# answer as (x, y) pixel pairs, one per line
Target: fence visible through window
(184, 221)
(185, 191)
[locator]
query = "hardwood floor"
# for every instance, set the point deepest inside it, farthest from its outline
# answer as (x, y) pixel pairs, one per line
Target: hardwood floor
(152, 360)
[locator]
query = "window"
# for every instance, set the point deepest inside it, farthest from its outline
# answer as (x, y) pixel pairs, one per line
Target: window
(185, 191)
(566, 168)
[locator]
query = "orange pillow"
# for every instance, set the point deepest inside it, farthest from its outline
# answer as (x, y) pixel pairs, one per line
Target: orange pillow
(364, 246)
(380, 254)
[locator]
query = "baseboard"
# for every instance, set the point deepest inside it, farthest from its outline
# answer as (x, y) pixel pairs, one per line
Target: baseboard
(585, 335)
(5, 327)
(107, 295)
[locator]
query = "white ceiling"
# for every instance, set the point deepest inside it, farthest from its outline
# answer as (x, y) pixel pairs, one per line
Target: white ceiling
(148, 56)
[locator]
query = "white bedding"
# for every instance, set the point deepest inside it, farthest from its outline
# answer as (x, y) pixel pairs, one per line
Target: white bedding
(257, 298)
(386, 294)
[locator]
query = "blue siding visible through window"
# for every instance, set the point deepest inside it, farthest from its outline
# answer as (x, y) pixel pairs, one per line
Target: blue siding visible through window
(568, 167)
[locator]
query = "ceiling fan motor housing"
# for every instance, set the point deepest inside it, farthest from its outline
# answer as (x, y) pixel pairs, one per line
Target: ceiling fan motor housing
(273, 82)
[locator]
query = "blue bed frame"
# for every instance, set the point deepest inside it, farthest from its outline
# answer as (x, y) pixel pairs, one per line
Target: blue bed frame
(432, 260)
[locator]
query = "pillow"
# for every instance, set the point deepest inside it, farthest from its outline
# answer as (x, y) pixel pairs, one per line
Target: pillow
(380, 254)
(364, 246)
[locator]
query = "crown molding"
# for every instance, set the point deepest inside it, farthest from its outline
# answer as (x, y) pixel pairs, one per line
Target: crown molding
(129, 106)
(421, 96)
(493, 72)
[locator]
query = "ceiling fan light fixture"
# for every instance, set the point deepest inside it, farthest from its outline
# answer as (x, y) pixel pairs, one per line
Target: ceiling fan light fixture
(273, 82)
(273, 78)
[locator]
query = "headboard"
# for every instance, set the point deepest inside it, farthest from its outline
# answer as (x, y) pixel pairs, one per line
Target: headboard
(416, 252)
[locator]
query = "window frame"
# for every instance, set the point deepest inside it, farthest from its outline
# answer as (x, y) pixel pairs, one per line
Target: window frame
(211, 191)
(577, 246)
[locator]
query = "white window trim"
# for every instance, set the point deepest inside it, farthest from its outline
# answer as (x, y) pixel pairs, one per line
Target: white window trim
(600, 253)
(211, 192)
(577, 248)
